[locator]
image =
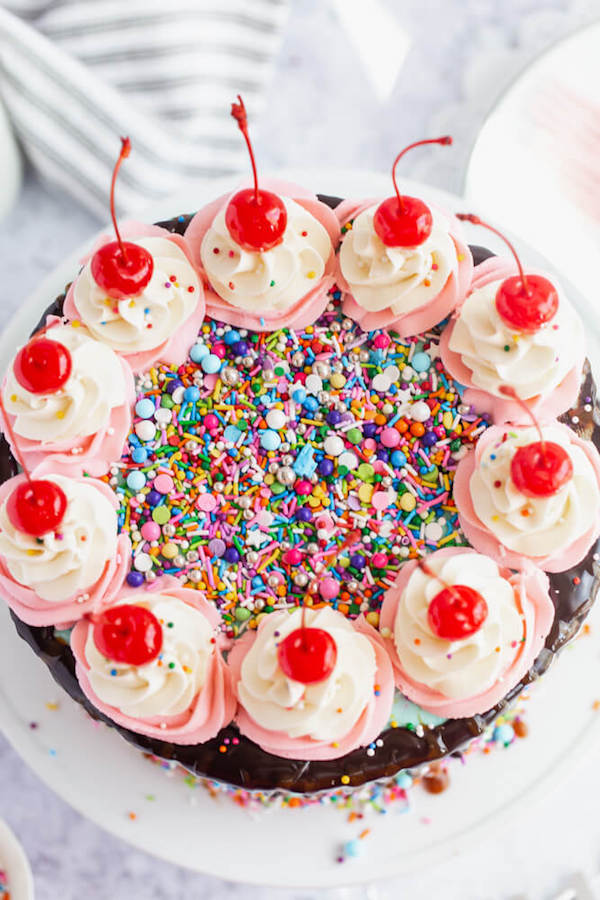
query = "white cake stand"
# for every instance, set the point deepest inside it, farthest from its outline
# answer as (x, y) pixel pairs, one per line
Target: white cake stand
(104, 778)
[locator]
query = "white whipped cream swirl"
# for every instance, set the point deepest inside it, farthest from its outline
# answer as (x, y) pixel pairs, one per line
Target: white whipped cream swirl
(270, 281)
(498, 355)
(468, 667)
(534, 526)
(83, 405)
(399, 278)
(65, 563)
(148, 320)
(325, 711)
(169, 684)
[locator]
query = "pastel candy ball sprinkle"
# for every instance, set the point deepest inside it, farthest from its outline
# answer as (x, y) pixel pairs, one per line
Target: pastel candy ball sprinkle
(163, 483)
(191, 394)
(276, 419)
(420, 411)
(270, 440)
(210, 364)
(150, 531)
(198, 352)
(144, 408)
(145, 430)
(334, 445)
(329, 588)
(136, 480)
(421, 362)
(390, 437)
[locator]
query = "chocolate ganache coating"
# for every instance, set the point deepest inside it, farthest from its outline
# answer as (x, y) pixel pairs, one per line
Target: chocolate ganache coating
(245, 764)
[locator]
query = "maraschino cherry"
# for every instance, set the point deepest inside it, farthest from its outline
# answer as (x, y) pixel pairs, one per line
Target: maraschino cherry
(525, 303)
(128, 634)
(256, 219)
(121, 268)
(37, 506)
(457, 611)
(42, 366)
(541, 468)
(307, 655)
(404, 221)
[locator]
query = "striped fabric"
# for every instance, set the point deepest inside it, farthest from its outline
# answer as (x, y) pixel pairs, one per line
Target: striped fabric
(77, 74)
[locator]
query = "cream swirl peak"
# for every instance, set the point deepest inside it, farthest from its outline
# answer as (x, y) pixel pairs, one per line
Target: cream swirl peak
(324, 711)
(270, 281)
(143, 327)
(484, 352)
(554, 531)
(59, 576)
(465, 676)
(409, 289)
(167, 685)
(86, 421)
(532, 363)
(184, 694)
(324, 720)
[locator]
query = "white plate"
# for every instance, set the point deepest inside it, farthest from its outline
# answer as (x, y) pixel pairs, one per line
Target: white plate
(535, 165)
(104, 778)
(14, 862)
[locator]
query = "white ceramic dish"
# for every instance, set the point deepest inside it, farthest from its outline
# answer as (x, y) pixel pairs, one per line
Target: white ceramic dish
(94, 770)
(535, 163)
(14, 862)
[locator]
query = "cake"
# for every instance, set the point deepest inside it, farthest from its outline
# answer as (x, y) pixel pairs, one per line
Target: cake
(300, 492)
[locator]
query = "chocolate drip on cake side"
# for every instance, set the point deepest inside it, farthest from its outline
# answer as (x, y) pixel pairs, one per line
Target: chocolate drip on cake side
(245, 764)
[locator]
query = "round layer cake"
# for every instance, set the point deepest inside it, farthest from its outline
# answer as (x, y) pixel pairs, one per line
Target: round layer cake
(308, 463)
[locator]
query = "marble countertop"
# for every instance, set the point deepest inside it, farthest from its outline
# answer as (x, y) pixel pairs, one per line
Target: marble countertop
(322, 110)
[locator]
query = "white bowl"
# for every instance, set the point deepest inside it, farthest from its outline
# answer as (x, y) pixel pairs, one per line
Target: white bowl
(14, 862)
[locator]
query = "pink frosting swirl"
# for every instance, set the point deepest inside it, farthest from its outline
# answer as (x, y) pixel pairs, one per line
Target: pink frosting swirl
(303, 311)
(482, 537)
(36, 610)
(214, 704)
(433, 310)
(547, 406)
(93, 452)
(366, 729)
(175, 348)
(532, 602)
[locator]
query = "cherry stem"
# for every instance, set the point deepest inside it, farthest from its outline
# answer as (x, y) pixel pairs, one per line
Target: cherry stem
(446, 139)
(15, 446)
(125, 151)
(238, 111)
(426, 568)
(475, 220)
(510, 392)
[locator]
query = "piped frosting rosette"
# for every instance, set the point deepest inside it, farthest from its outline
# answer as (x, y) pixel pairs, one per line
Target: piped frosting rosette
(483, 352)
(554, 532)
(161, 322)
(56, 578)
(464, 677)
(83, 425)
(284, 287)
(407, 289)
(326, 720)
(184, 695)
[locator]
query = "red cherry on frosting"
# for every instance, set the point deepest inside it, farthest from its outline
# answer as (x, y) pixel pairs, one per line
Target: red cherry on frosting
(256, 219)
(121, 268)
(128, 634)
(307, 655)
(524, 302)
(457, 612)
(403, 221)
(42, 366)
(540, 469)
(526, 309)
(36, 507)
